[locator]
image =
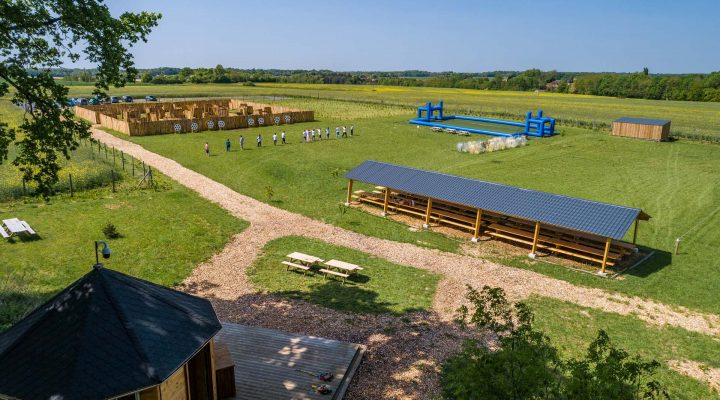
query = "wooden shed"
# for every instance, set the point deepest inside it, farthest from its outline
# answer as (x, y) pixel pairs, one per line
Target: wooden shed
(642, 128)
(111, 336)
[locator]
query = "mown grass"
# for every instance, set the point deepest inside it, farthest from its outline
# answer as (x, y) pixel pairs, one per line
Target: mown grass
(673, 182)
(381, 287)
(689, 118)
(572, 328)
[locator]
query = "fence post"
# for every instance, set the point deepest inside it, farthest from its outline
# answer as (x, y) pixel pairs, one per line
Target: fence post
(105, 145)
(24, 188)
(112, 173)
(122, 157)
(71, 188)
(132, 162)
(99, 147)
(144, 171)
(113, 151)
(150, 175)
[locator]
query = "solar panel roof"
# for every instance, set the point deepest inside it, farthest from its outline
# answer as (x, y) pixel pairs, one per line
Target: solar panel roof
(603, 219)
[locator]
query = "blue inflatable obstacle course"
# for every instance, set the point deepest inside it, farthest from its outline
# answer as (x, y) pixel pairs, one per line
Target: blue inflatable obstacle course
(538, 126)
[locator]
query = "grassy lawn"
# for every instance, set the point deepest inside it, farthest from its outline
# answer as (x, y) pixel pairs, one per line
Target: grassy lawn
(673, 182)
(572, 328)
(687, 117)
(381, 287)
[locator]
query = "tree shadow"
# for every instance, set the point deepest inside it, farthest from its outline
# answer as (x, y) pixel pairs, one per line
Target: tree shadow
(344, 297)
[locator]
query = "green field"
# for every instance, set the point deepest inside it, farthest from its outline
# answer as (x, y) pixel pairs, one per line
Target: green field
(381, 287)
(687, 117)
(673, 182)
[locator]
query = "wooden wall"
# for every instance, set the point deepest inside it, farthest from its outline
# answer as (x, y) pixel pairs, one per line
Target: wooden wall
(115, 116)
(641, 131)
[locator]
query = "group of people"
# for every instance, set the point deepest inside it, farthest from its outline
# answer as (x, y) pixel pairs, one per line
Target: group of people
(308, 135)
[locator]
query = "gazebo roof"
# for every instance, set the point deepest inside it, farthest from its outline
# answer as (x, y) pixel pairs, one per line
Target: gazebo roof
(105, 335)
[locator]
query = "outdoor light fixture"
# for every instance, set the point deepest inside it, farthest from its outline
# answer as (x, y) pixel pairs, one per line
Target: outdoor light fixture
(105, 253)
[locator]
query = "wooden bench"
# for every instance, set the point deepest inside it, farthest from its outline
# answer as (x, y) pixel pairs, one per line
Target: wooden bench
(3, 233)
(327, 272)
(289, 265)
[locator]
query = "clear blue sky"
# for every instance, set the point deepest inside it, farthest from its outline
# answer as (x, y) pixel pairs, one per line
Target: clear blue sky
(466, 36)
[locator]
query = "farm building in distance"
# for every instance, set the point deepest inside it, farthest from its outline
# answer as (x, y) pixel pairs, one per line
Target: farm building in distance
(642, 128)
(141, 119)
(554, 224)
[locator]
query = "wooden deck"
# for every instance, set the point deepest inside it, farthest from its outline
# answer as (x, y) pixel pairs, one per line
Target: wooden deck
(266, 363)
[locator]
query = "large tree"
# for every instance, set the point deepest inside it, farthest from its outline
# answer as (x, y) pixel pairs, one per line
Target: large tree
(42, 34)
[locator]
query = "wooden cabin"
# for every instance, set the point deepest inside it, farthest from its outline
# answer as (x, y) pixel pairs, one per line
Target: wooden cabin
(112, 336)
(642, 128)
(566, 226)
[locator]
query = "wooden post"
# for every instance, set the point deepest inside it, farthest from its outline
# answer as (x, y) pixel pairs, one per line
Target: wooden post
(112, 174)
(387, 200)
(150, 175)
(105, 146)
(132, 162)
(427, 213)
(478, 222)
(605, 256)
(122, 157)
(24, 188)
(71, 188)
(349, 193)
(535, 240)
(113, 151)
(635, 231)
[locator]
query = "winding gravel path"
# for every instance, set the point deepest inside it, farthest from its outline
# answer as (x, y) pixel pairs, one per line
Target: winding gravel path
(223, 280)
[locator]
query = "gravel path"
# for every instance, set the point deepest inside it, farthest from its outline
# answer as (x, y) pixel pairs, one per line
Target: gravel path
(411, 355)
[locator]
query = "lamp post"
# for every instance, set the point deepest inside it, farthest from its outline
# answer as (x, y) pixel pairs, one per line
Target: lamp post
(105, 253)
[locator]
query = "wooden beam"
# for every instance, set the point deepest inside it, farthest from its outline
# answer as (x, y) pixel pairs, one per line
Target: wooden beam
(605, 255)
(386, 201)
(349, 193)
(635, 231)
(211, 348)
(427, 213)
(478, 223)
(535, 239)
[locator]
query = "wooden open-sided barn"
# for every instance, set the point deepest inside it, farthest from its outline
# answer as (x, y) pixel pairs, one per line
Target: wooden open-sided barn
(577, 228)
(642, 128)
(141, 119)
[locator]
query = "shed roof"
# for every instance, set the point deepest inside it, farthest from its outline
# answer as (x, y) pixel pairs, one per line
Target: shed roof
(607, 220)
(642, 121)
(105, 335)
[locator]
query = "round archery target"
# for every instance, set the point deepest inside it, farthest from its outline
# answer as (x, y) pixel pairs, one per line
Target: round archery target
(178, 128)
(194, 126)
(251, 121)
(261, 121)
(287, 118)
(211, 124)
(221, 124)
(277, 120)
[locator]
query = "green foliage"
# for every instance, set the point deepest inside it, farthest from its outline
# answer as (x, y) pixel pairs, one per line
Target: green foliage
(40, 35)
(110, 231)
(527, 366)
(269, 192)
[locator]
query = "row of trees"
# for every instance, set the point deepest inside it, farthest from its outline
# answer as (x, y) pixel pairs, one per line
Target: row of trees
(693, 87)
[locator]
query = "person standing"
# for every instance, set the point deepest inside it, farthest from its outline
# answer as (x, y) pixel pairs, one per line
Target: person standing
(312, 132)
(352, 128)
(259, 141)
(242, 142)
(319, 134)
(282, 137)
(327, 133)
(274, 138)
(207, 149)
(337, 132)
(344, 131)
(227, 144)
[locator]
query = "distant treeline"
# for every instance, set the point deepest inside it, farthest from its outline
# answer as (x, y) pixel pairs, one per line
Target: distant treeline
(643, 85)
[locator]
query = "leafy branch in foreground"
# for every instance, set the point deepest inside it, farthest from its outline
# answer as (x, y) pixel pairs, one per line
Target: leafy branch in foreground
(522, 363)
(40, 35)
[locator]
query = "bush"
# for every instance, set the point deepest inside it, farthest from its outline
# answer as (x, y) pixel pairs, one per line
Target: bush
(110, 231)
(527, 365)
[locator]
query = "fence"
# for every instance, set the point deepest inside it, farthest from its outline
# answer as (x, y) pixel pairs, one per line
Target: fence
(75, 178)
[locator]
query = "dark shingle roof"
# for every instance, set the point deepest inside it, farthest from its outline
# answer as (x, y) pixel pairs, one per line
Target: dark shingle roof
(642, 121)
(105, 335)
(607, 220)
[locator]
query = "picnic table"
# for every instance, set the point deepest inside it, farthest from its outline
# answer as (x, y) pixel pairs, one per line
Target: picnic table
(345, 266)
(15, 226)
(304, 259)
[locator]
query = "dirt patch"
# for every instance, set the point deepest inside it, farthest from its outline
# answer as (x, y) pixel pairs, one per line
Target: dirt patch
(698, 371)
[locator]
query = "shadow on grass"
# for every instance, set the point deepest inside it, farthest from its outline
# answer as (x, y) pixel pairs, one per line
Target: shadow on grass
(16, 304)
(655, 263)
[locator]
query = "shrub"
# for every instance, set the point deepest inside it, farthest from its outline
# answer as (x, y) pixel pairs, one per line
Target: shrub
(110, 231)
(527, 366)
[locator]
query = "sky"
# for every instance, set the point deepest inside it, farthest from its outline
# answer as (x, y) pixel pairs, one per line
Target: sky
(450, 35)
